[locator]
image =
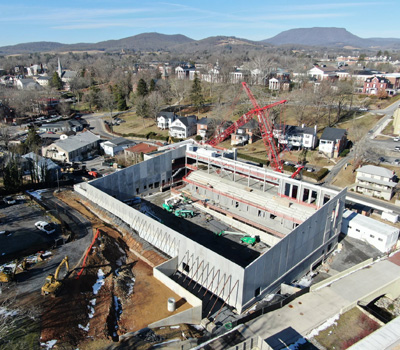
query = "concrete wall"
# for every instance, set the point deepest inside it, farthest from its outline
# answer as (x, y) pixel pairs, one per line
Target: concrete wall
(139, 178)
(297, 252)
(208, 268)
(194, 314)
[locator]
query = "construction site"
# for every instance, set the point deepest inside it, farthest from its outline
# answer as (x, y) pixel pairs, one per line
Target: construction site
(190, 236)
(232, 232)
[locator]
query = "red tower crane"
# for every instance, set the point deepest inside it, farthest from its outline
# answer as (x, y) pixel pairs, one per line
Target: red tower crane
(265, 128)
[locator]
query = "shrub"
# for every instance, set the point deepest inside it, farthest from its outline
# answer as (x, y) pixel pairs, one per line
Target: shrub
(344, 153)
(198, 138)
(252, 159)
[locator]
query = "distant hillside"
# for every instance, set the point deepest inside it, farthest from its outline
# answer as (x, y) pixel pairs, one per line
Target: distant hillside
(41, 46)
(140, 42)
(328, 37)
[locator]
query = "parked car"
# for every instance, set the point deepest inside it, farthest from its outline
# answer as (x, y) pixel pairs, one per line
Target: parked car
(396, 162)
(45, 227)
(9, 200)
(5, 233)
(396, 139)
(381, 159)
(397, 148)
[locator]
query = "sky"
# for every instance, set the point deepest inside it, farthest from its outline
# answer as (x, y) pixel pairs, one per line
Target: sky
(91, 21)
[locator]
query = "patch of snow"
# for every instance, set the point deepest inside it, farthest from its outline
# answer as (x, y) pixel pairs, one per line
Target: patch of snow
(198, 327)
(100, 281)
(4, 312)
(49, 344)
(269, 297)
(86, 329)
(305, 281)
(36, 194)
(297, 344)
(329, 322)
(166, 342)
(130, 285)
(175, 327)
(47, 253)
(93, 302)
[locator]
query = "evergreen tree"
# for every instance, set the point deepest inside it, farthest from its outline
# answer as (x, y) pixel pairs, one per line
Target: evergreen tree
(120, 98)
(33, 141)
(142, 88)
(56, 82)
(12, 177)
(196, 94)
(152, 85)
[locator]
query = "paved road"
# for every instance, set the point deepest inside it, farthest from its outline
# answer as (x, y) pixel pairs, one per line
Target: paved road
(32, 280)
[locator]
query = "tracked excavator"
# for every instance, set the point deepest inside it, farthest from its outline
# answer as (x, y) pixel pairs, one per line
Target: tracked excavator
(8, 273)
(53, 285)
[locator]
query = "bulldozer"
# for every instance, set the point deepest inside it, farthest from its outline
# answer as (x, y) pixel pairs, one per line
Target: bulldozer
(53, 285)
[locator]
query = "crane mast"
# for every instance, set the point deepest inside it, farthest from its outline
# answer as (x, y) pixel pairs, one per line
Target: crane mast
(265, 126)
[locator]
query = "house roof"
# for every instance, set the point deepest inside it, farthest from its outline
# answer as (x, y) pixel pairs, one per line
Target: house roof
(167, 115)
(189, 120)
(121, 141)
(251, 124)
(375, 170)
(141, 148)
(41, 161)
(73, 143)
(333, 134)
(205, 121)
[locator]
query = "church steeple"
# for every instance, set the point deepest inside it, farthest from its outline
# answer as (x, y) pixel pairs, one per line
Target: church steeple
(59, 69)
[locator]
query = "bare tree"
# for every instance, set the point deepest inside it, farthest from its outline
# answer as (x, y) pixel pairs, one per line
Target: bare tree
(155, 103)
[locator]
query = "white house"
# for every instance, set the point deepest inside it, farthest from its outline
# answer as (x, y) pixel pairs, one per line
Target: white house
(322, 73)
(333, 141)
(183, 127)
(375, 181)
(114, 146)
(296, 136)
(380, 235)
(164, 119)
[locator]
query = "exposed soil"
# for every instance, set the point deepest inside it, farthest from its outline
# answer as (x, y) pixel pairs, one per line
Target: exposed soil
(115, 294)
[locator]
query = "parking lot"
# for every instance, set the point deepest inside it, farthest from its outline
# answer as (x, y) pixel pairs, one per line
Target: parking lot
(19, 235)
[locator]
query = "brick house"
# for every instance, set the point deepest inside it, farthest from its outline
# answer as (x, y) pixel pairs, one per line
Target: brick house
(372, 86)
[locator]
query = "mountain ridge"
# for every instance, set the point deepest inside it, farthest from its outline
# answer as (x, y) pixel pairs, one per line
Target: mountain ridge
(299, 37)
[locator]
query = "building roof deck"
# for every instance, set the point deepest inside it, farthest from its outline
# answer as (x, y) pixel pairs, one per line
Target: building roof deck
(269, 200)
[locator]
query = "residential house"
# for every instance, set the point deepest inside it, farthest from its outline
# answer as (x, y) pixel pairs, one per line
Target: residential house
(116, 145)
(135, 153)
(183, 127)
(40, 168)
(290, 136)
(245, 134)
(378, 234)
(34, 69)
(164, 119)
(375, 85)
(42, 80)
(73, 148)
(205, 127)
(375, 181)
(333, 141)
(320, 73)
(26, 84)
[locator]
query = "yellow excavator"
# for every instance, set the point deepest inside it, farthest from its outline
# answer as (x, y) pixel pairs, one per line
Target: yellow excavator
(53, 285)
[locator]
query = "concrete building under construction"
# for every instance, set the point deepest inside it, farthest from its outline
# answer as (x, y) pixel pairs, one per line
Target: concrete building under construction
(296, 224)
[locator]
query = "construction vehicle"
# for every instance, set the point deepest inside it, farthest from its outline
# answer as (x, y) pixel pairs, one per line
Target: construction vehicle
(53, 285)
(247, 239)
(266, 128)
(8, 273)
(168, 207)
(183, 213)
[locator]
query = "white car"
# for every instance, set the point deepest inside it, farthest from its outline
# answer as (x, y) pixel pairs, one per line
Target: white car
(45, 227)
